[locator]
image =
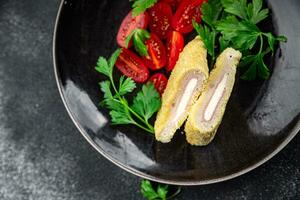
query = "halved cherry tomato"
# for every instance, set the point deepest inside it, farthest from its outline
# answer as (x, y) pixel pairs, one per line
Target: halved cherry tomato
(175, 44)
(157, 57)
(160, 19)
(132, 66)
(130, 23)
(173, 3)
(187, 11)
(160, 82)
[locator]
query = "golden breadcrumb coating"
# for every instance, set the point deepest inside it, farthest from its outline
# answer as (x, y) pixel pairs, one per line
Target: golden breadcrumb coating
(192, 62)
(198, 131)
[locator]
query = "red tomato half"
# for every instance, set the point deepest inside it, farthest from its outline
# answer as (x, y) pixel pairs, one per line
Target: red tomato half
(132, 66)
(160, 82)
(187, 11)
(157, 57)
(160, 19)
(130, 23)
(175, 44)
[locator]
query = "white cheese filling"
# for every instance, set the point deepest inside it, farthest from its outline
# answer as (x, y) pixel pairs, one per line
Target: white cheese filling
(213, 103)
(186, 96)
(183, 103)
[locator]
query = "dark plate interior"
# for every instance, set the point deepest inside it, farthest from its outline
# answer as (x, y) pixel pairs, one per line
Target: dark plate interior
(261, 117)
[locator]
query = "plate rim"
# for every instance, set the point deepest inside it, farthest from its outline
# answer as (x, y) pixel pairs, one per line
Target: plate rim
(132, 170)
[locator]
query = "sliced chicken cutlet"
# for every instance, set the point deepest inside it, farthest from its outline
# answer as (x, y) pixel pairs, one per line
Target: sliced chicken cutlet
(207, 113)
(185, 84)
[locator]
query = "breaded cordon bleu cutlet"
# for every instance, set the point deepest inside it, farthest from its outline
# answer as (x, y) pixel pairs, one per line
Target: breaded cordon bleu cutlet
(185, 84)
(207, 113)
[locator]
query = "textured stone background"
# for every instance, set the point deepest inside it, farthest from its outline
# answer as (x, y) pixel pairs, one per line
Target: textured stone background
(43, 156)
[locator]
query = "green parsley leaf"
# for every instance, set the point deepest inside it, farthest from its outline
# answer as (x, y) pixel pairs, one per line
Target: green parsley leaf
(249, 61)
(119, 117)
(126, 85)
(109, 100)
(281, 38)
(211, 12)
(223, 43)
(242, 34)
(227, 27)
(257, 67)
(148, 191)
(208, 37)
(147, 101)
(263, 70)
(236, 7)
(114, 99)
(128, 39)
(112, 60)
(251, 12)
(105, 88)
(139, 6)
(255, 12)
(246, 35)
(103, 67)
(119, 113)
(139, 36)
(234, 23)
(162, 191)
(271, 41)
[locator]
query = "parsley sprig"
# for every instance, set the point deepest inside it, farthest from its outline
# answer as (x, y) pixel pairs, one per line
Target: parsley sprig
(160, 193)
(211, 13)
(140, 6)
(138, 36)
(145, 103)
(234, 23)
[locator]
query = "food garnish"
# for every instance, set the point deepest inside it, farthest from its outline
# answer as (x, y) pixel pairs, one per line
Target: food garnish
(156, 29)
(185, 84)
(207, 113)
(160, 192)
(139, 6)
(145, 103)
(138, 36)
(150, 47)
(235, 23)
(129, 24)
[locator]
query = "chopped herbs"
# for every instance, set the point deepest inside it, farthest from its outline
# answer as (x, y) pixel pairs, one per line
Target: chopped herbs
(145, 104)
(234, 23)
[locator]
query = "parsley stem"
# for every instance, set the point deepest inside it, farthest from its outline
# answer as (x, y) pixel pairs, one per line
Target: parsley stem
(149, 127)
(261, 43)
(266, 51)
(213, 54)
(142, 127)
(176, 193)
(140, 118)
(214, 44)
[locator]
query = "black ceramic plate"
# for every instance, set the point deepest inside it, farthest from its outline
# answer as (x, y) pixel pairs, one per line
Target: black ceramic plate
(261, 117)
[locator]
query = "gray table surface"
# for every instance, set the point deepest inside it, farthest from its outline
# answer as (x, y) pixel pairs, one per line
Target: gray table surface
(43, 156)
